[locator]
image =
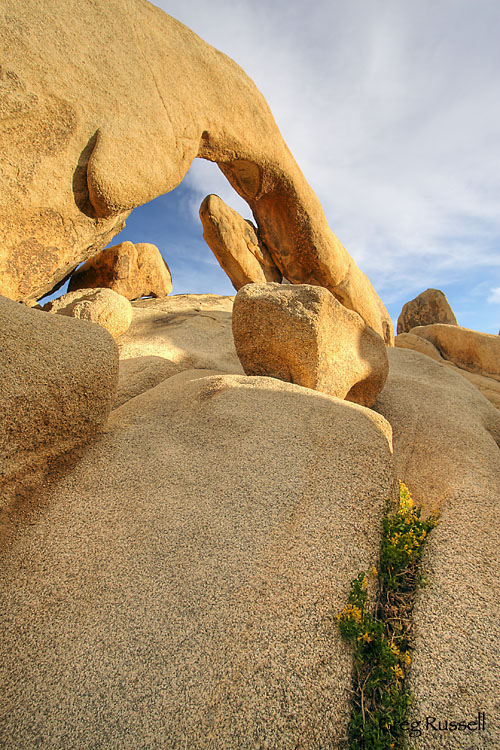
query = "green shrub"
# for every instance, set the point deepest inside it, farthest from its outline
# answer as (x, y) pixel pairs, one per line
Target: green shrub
(380, 634)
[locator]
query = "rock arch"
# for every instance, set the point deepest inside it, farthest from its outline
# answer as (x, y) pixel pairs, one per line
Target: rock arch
(105, 107)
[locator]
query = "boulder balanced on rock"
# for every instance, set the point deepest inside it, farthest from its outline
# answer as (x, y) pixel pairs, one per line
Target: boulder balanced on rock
(131, 270)
(429, 307)
(236, 244)
(102, 306)
(303, 335)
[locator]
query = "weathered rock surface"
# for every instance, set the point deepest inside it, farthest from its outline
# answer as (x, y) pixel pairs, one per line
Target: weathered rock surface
(302, 334)
(417, 344)
(80, 153)
(188, 330)
(133, 271)
(110, 310)
(58, 378)
(235, 243)
(429, 307)
(470, 350)
(170, 592)
(489, 387)
(446, 438)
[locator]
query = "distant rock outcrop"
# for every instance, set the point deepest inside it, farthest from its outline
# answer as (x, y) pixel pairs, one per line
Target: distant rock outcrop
(235, 243)
(58, 379)
(302, 334)
(133, 271)
(93, 130)
(429, 307)
(102, 306)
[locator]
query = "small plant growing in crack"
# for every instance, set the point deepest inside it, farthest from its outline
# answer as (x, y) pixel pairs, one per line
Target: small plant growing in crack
(380, 633)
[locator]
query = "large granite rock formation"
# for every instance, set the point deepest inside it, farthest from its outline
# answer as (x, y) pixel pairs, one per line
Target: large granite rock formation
(133, 271)
(302, 334)
(105, 106)
(179, 587)
(110, 310)
(57, 383)
(236, 244)
(446, 449)
(429, 307)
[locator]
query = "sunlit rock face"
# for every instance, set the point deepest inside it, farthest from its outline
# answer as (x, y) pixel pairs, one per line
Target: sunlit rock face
(104, 107)
(236, 244)
(428, 308)
(105, 307)
(134, 271)
(301, 334)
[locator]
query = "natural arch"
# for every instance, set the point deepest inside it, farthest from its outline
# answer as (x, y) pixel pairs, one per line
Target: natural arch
(129, 109)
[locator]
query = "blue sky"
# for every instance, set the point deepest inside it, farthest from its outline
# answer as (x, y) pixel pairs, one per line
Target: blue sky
(392, 110)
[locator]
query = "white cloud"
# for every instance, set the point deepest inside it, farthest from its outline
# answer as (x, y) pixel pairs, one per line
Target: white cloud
(391, 108)
(495, 296)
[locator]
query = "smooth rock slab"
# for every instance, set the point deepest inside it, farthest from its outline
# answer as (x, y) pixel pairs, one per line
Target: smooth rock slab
(133, 271)
(179, 588)
(188, 330)
(417, 344)
(110, 310)
(446, 438)
(235, 243)
(429, 307)
(139, 374)
(57, 384)
(302, 334)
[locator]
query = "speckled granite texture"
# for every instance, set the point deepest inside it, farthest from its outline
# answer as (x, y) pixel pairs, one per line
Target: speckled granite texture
(178, 589)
